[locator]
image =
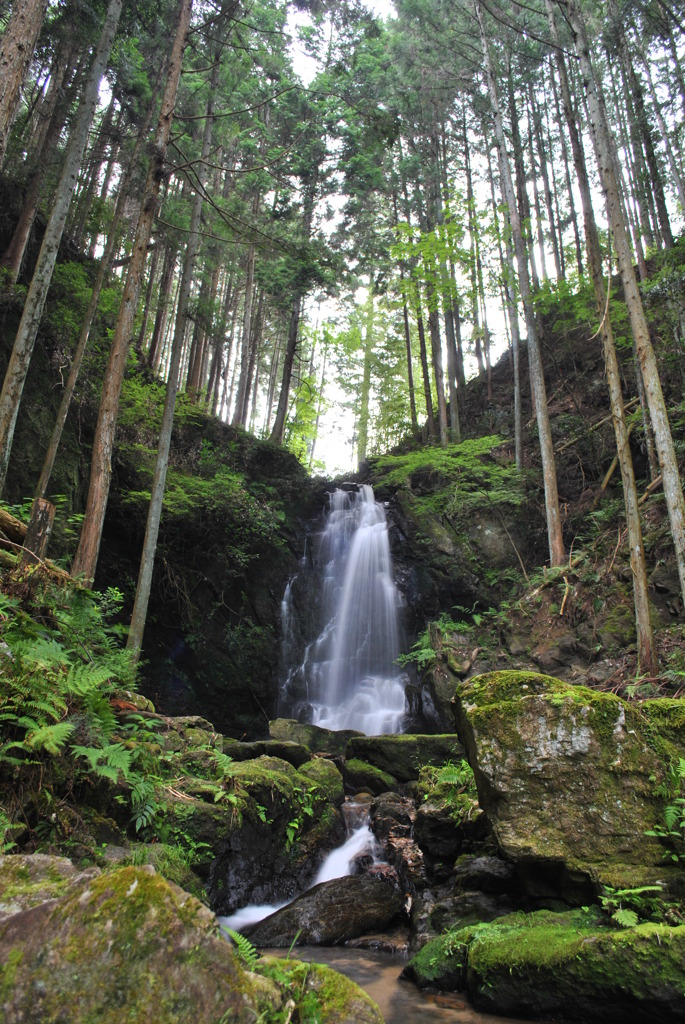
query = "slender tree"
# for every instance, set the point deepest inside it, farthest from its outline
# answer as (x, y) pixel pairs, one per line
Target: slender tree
(86, 557)
(18, 366)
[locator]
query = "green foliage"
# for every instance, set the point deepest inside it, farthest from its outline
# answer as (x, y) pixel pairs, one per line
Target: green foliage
(673, 828)
(452, 784)
(627, 907)
(247, 953)
(61, 664)
(454, 480)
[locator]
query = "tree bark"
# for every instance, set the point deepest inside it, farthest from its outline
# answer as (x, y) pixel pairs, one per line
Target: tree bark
(557, 553)
(103, 442)
(16, 51)
(647, 659)
(17, 368)
(606, 158)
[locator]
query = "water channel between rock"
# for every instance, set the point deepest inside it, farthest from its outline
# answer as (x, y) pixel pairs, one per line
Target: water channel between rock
(400, 1002)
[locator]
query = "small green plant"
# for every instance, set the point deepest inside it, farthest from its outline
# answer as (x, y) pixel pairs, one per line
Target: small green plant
(247, 953)
(627, 907)
(673, 828)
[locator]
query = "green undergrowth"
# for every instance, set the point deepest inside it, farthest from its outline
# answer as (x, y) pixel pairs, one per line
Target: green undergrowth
(81, 767)
(456, 480)
(451, 785)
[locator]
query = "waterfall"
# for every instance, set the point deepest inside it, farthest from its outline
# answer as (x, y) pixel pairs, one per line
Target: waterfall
(338, 863)
(348, 677)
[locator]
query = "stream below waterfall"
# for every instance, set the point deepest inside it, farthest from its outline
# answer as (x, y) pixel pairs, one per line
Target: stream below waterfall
(399, 1001)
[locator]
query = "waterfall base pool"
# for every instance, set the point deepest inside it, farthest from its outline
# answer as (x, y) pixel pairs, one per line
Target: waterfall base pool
(399, 1001)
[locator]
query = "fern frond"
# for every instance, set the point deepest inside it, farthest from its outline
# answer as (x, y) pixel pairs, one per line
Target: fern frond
(626, 918)
(246, 951)
(83, 679)
(50, 738)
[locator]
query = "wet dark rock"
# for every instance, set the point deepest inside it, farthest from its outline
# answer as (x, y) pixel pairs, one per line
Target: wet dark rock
(331, 913)
(436, 832)
(403, 755)
(489, 874)
(312, 736)
(392, 814)
(295, 753)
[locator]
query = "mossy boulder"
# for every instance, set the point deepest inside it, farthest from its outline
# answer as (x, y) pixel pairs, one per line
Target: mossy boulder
(295, 753)
(311, 736)
(403, 756)
(27, 880)
(324, 781)
(566, 775)
(362, 776)
(570, 965)
(340, 1000)
(280, 820)
(120, 946)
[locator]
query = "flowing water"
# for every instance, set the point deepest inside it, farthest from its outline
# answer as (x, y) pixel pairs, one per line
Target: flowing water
(399, 1001)
(348, 677)
(338, 863)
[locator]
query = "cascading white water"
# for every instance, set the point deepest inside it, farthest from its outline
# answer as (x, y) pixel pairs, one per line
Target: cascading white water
(337, 864)
(348, 678)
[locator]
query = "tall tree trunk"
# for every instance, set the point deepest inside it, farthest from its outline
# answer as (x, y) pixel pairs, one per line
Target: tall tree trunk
(606, 158)
(79, 352)
(17, 369)
(365, 391)
(16, 50)
(154, 351)
(101, 464)
(57, 102)
(567, 176)
(508, 279)
(647, 658)
(557, 553)
(425, 373)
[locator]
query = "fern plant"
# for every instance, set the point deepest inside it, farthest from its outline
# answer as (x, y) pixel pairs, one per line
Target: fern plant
(246, 951)
(673, 828)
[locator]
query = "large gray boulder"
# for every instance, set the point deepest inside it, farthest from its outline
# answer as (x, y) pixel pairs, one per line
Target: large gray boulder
(566, 775)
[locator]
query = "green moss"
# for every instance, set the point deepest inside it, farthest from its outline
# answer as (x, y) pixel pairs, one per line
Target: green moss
(567, 963)
(319, 993)
(8, 973)
(360, 775)
(667, 715)
(324, 780)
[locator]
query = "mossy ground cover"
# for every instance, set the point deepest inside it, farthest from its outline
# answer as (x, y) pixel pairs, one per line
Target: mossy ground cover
(572, 964)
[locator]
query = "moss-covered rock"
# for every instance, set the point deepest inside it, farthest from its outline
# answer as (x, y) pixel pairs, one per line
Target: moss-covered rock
(321, 992)
(667, 716)
(569, 965)
(27, 880)
(324, 781)
(295, 753)
(311, 736)
(359, 775)
(120, 946)
(567, 775)
(280, 820)
(403, 756)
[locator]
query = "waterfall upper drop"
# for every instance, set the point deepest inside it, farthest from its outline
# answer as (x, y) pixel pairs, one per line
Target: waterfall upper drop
(348, 677)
